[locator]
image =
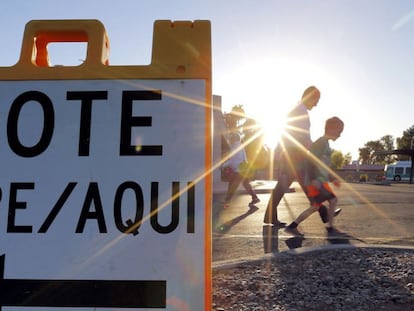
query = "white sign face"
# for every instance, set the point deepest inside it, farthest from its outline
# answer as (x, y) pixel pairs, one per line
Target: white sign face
(102, 199)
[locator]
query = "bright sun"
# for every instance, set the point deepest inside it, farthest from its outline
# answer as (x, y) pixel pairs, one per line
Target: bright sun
(267, 89)
(272, 129)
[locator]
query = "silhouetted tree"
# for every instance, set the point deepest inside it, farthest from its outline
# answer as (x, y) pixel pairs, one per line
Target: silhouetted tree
(369, 153)
(406, 142)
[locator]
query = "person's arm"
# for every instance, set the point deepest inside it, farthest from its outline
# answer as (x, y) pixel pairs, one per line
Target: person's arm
(314, 166)
(299, 127)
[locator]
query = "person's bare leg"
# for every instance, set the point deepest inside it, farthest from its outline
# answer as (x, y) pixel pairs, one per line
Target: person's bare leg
(232, 187)
(305, 214)
(246, 184)
(276, 196)
(292, 228)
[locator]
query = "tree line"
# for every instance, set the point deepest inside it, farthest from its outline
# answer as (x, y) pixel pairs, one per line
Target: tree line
(370, 153)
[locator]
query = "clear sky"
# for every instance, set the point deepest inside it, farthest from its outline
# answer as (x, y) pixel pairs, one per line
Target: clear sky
(360, 53)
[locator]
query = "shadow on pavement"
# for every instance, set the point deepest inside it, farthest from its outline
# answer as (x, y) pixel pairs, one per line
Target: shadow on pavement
(226, 226)
(270, 239)
(295, 242)
(342, 238)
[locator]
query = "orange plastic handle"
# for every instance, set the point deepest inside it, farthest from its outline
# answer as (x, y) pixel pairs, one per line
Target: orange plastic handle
(39, 33)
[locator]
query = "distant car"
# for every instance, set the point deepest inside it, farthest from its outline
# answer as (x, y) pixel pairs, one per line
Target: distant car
(399, 171)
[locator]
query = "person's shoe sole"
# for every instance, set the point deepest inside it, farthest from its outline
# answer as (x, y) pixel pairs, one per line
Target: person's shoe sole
(337, 211)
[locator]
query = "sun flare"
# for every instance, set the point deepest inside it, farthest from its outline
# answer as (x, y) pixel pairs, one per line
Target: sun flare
(272, 129)
(268, 88)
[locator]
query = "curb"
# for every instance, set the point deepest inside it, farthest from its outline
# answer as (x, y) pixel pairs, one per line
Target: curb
(232, 263)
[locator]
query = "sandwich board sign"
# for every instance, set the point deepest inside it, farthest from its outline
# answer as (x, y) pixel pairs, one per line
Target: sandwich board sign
(105, 183)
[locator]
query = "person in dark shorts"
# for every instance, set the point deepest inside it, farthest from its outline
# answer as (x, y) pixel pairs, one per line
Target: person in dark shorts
(318, 176)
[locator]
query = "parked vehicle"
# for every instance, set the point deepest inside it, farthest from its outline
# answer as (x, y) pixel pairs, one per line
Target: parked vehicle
(399, 171)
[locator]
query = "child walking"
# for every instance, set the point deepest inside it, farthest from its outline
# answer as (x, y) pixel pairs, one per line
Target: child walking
(318, 189)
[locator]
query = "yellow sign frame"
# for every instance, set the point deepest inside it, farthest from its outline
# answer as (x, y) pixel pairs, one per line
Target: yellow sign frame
(181, 50)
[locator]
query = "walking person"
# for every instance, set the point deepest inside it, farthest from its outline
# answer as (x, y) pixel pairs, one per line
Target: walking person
(237, 162)
(318, 176)
(294, 146)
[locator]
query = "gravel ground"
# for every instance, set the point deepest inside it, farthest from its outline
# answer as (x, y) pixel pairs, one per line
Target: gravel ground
(337, 279)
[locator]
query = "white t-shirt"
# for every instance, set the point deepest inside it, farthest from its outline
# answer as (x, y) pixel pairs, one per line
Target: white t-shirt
(298, 128)
(238, 154)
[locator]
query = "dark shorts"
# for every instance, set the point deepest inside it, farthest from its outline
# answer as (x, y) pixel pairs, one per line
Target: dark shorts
(318, 196)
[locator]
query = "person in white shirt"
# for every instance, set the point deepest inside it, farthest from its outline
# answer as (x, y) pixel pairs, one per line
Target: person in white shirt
(237, 161)
(294, 146)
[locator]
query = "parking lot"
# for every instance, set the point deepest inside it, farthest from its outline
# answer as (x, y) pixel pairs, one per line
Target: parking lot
(372, 214)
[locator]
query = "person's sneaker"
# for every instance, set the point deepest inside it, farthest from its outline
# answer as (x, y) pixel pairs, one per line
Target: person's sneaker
(293, 231)
(254, 201)
(337, 211)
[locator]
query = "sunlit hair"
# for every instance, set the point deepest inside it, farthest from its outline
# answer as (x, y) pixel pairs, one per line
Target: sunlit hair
(311, 93)
(333, 126)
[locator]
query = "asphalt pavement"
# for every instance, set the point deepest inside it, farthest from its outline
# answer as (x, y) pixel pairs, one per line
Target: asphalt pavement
(373, 215)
